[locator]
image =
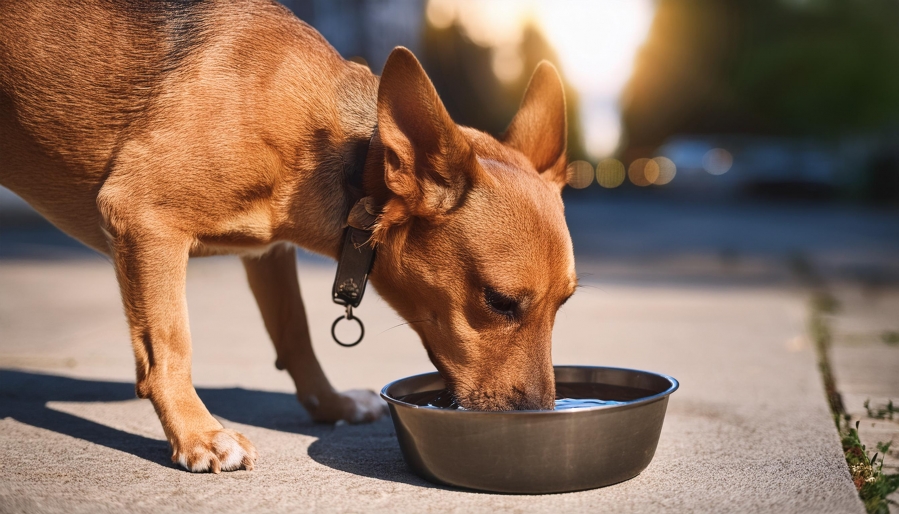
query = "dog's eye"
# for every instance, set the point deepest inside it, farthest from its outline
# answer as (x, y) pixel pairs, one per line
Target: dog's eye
(500, 303)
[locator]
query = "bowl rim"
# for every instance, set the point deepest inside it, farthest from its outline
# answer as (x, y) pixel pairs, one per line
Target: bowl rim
(673, 386)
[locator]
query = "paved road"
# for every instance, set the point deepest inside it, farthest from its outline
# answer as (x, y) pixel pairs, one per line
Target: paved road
(866, 367)
(748, 431)
(699, 291)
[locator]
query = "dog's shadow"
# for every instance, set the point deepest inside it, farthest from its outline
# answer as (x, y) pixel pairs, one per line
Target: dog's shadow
(369, 450)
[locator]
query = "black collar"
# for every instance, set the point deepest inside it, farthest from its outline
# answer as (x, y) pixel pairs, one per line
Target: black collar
(354, 176)
(357, 253)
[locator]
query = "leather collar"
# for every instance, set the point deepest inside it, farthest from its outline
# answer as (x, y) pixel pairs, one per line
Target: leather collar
(357, 253)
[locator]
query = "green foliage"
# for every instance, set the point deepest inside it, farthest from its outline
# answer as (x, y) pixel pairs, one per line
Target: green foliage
(821, 67)
(825, 303)
(801, 68)
(890, 337)
(873, 485)
(885, 412)
(867, 474)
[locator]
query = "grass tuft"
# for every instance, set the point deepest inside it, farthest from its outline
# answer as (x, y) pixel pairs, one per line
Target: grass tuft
(872, 483)
(890, 337)
(881, 412)
(867, 474)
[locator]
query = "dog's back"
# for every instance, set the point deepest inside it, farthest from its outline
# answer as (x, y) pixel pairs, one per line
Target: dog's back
(78, 78)
(76, 74)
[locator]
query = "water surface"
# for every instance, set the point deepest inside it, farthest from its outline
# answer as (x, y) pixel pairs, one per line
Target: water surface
(569, 395)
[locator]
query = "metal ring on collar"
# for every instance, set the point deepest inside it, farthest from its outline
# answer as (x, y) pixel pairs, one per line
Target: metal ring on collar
(361, 330)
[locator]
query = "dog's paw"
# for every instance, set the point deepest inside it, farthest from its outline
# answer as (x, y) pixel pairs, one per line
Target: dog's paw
(215, 451)
(356, 406)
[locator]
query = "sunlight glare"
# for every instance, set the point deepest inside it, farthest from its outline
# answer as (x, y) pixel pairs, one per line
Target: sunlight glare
(596, 41)
(441, 13)
(494, 23)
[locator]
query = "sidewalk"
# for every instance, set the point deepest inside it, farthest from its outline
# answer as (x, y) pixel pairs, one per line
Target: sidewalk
(865, 360)
(748, 431)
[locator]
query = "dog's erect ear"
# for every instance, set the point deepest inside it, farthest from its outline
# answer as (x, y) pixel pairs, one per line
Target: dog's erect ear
(428, 163)
(540, 129)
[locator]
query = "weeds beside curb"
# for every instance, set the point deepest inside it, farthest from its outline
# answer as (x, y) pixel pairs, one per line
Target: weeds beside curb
(872, 484)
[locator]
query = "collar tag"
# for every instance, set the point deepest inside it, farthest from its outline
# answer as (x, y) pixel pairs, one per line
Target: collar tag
(356, 259)
(357, 255)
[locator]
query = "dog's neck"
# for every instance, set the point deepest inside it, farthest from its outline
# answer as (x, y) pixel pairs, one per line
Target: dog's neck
(322, 187)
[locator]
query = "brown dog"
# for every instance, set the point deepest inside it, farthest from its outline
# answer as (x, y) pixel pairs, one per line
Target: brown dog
(157, 131)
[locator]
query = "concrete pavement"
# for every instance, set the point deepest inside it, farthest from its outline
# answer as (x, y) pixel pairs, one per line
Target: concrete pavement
(866, 366)
(749, 430)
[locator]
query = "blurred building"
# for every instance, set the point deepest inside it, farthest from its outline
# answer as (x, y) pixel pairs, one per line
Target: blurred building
(369, 29)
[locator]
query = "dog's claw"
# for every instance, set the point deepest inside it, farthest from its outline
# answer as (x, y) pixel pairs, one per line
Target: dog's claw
(215, 451)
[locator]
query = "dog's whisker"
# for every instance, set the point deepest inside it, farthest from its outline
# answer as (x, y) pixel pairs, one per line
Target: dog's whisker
(585, 286)
(401, 324)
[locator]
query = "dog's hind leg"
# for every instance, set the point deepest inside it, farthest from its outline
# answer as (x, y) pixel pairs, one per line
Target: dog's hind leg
(273, 279)
(151, 266)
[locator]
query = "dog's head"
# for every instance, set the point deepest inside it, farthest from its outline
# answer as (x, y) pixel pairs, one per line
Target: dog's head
(473, 249)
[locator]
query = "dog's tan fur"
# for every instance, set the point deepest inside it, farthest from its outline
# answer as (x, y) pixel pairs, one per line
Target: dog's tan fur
(154, 132)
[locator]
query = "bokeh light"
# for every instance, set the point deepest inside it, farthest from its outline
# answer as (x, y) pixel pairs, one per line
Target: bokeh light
(610, 173)
(636, 172)
(495, 23)
(580, 174)
(441, 13)
(717, 161)
(665, 170)
(651, 171)
(507, 63)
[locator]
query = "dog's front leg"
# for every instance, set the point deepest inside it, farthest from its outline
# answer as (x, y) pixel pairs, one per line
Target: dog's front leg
(273, 279)
(151, 268)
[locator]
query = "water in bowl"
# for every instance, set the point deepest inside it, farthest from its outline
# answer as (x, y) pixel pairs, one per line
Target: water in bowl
(569, 395)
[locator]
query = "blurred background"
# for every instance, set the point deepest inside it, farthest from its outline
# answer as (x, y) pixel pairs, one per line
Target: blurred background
(727, 157)
(734, 138)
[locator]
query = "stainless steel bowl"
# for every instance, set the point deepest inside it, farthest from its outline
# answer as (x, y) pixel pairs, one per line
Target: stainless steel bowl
(533, 452)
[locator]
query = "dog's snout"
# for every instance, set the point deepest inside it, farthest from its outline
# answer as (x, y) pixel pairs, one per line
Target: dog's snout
(535, 396)
(526, 403)
(532, 395)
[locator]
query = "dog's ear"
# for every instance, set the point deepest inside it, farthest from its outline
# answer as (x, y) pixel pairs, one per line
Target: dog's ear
(540, 129)
(428, 163)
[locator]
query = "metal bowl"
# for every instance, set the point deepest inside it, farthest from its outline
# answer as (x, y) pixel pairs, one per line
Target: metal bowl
(533, 452)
